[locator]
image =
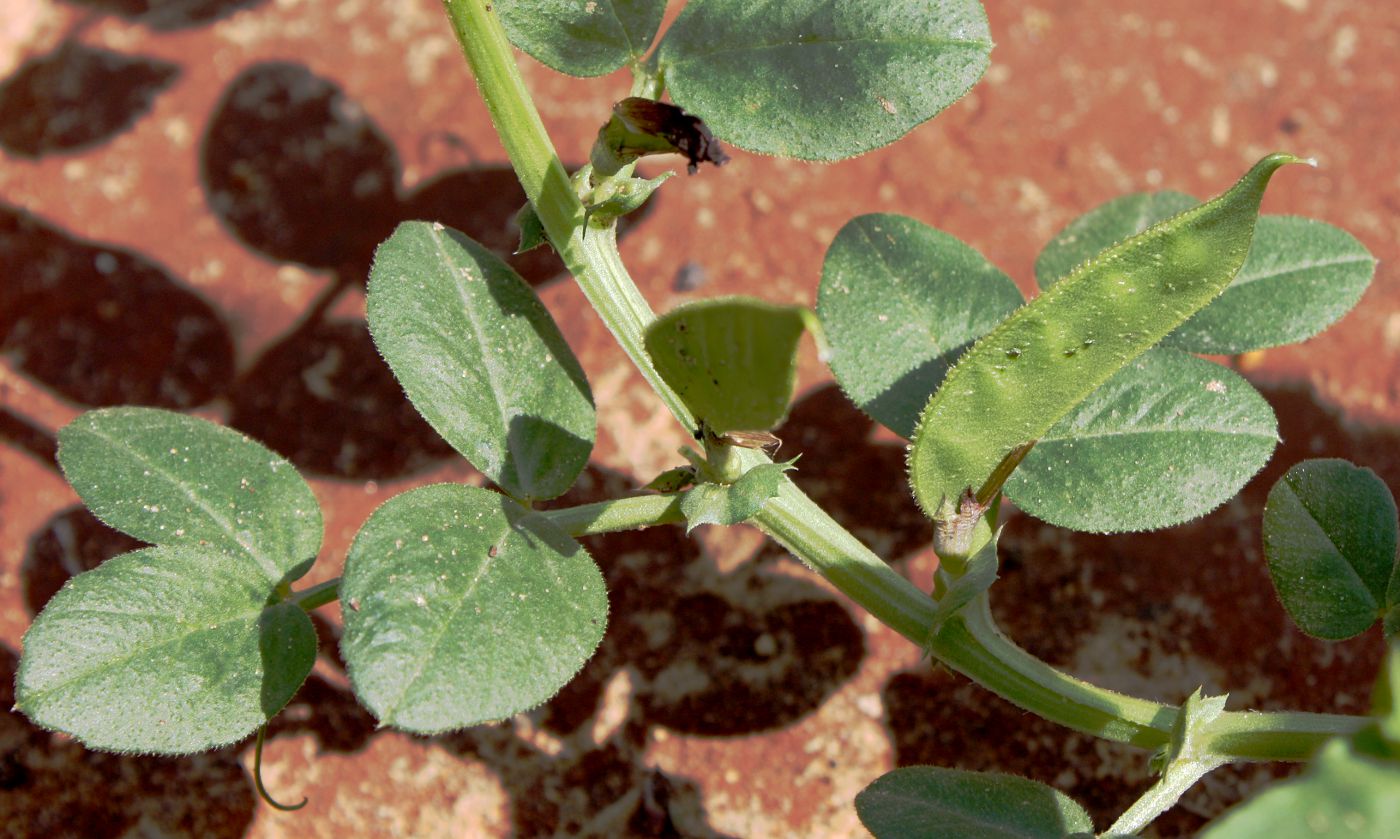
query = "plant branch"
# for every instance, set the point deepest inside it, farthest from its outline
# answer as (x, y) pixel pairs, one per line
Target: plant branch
(632, 513)
(593, 260)
(969, 642)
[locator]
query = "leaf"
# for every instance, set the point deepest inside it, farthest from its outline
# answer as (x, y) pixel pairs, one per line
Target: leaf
(1329, 536)
(737, 502)
(532, 233)
(481, 359)
(76, 97)
(1300, 278)
(1169, 438)
(1019, 380)
(171, 650)
(732, 360)
(1343, 793)
(582, 38)
(930, 802)
(822, 79)
(1103, 227)
(672, 480)
(171, 479)
(464, 607)
(900, 301)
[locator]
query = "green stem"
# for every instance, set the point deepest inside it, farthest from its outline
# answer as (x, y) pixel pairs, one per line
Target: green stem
(318, 595)
(593, 259)
(619, 514)
(970, 642)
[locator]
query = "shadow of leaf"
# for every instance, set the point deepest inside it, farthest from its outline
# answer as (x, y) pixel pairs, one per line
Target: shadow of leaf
(324, 399)
(298, 171)
(76, 97)
(168, 15)
(105, 326)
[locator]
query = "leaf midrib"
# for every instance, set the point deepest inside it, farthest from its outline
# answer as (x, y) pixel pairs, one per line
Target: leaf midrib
(1242, 279)
(466, 300)
(430, 650)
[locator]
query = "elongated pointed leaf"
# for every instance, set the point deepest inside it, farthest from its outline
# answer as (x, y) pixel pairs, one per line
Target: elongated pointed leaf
(172, 479)
(732, 360)
(1300, 277)
(822, 79)
(1103, 227)
(1330, 535)
(1170, 437)
(1023, 377)
(463, 607)
(170, 650)
(481, 359)
(900, 301)
(930, 802)
(582, 38)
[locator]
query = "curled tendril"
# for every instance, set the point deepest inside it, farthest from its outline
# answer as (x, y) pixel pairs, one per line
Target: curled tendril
(257, 777)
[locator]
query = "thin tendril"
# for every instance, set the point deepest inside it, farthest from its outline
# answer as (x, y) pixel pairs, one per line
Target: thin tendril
(257, 777)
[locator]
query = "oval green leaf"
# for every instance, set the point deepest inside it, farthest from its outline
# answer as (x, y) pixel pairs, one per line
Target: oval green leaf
(582, 38)
(1329, 536)
(822, 79)
(169, 650)
(1020, 379)
(930, 802)
(171, 479)
(463, 607)
(481, 359)
(899, 302)
(1169, 438)
(1300, 278)
(1344, 793)
(731, 360)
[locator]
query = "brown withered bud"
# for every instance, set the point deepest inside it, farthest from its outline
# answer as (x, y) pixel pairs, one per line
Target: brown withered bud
(644, 126)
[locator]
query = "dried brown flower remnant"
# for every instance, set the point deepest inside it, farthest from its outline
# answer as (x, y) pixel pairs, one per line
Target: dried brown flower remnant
(640, 127)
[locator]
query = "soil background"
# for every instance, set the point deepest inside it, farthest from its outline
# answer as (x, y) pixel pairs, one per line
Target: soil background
(188, 201)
